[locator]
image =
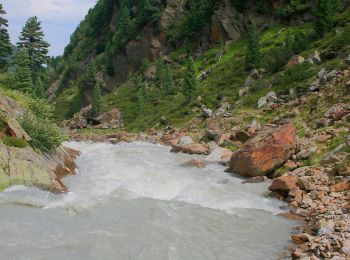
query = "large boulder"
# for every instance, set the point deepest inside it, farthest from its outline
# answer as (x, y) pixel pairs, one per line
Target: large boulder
(265, 153)
(191, 149)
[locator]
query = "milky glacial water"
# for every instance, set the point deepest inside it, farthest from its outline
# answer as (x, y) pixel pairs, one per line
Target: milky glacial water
(134, 202)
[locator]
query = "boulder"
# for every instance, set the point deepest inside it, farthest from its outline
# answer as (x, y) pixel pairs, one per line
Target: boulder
(271, 97)
(185, 140)
(283, 184)
(191, 149)
(315, 58)
(296, 59)
(265, 153)
(196, 163)
(207, 113)
(342, 186)
(262, 102)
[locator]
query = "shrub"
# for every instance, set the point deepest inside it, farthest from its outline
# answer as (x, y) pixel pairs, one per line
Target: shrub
(14, 142)
(46, 136)
(38, 123)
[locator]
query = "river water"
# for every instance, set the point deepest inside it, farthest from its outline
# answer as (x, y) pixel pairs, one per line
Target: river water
(134, 202)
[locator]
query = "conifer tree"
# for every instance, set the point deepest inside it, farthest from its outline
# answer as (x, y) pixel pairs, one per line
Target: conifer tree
(253, 55)
(32, 39)
(96, 100)
(325, 11)
(5, 45)
(23, 79)
(168, 81)
(142, 93)
(190, 84)
(122, 35)
(160, 71)
(39, 88)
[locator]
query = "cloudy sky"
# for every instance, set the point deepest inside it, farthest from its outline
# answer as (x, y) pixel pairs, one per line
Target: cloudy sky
(59, 18)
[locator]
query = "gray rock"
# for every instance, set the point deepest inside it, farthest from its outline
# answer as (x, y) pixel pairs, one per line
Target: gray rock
(185, 140)
(315, 58)
(271, 97)
(211, 134)
(207, 113)
(262, 102)
(212, 146)
(314, 86)
(331, 74)
(322, 75)
(306, 153)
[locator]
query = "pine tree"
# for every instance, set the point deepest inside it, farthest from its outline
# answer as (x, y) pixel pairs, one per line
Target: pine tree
(168, 81)
(142, 93)
(253, 55)
(23, 79)
(39, 88)
(96, 100)
(122, 35)
(5, 45)
(32, 39)
(190, 84)
(325, 11)
(160, 71)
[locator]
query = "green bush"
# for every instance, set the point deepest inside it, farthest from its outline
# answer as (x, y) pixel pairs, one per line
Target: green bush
(14, 142)
(46, 136)
(38, 123)
(297, 73)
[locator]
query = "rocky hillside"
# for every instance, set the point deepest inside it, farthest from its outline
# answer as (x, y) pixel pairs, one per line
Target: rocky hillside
(20, 163)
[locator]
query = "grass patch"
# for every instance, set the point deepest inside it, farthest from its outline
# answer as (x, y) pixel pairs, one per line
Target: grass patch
(14, 142)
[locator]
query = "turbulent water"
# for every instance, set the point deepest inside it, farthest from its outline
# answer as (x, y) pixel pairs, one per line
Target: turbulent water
(134, 202)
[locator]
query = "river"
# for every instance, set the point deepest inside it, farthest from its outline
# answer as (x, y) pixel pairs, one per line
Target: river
(134, 202)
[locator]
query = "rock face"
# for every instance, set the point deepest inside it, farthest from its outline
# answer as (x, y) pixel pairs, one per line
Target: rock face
(85, 118)
(265, 153)
(24, 166)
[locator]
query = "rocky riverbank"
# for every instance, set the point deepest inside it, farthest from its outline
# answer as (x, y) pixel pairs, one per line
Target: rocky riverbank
(300, 141)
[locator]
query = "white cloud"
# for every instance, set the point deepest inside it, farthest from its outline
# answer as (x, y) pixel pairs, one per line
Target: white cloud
(59, 18)
(48, 10)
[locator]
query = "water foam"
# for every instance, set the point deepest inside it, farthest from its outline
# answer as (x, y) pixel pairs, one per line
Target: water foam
(141, 170)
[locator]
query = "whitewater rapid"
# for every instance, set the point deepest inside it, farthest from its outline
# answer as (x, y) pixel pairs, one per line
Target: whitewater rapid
(135, 201)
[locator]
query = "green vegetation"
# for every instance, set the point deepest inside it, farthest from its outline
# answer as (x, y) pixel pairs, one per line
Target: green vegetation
(96, 100)
(325, 12)
(38, 123)
(253, 55)
(23, 79)
(32, 40)
(190, 85)
(14, 142)
(5, 45)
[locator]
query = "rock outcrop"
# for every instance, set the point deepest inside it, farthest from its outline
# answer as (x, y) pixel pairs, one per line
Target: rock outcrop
(265, 153)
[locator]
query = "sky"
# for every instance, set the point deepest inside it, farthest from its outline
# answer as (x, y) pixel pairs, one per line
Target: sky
(59, 18)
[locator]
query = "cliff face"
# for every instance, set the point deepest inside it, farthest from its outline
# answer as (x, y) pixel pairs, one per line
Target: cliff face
(20, 164)
(225, 23)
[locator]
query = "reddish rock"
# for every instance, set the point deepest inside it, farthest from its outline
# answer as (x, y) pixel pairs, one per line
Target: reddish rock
(290, 165)
(283, 184)
(295, 60)
(224, 138)
(341, 186)
(301, 238)
(265, 153)
(191, 149)
(194, 163)
(152, 132)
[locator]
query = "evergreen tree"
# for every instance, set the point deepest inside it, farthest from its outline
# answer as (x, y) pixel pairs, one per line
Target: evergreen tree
(190, 84)
(23, 79)
(325, 11)
(5, 46)
(32, 39)
(39, 88)
(96, 100)
(290, 42)
(142, 93)
(160, 71)
(122, 35)
(87, 82)
(168, 81)
(253, 55)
